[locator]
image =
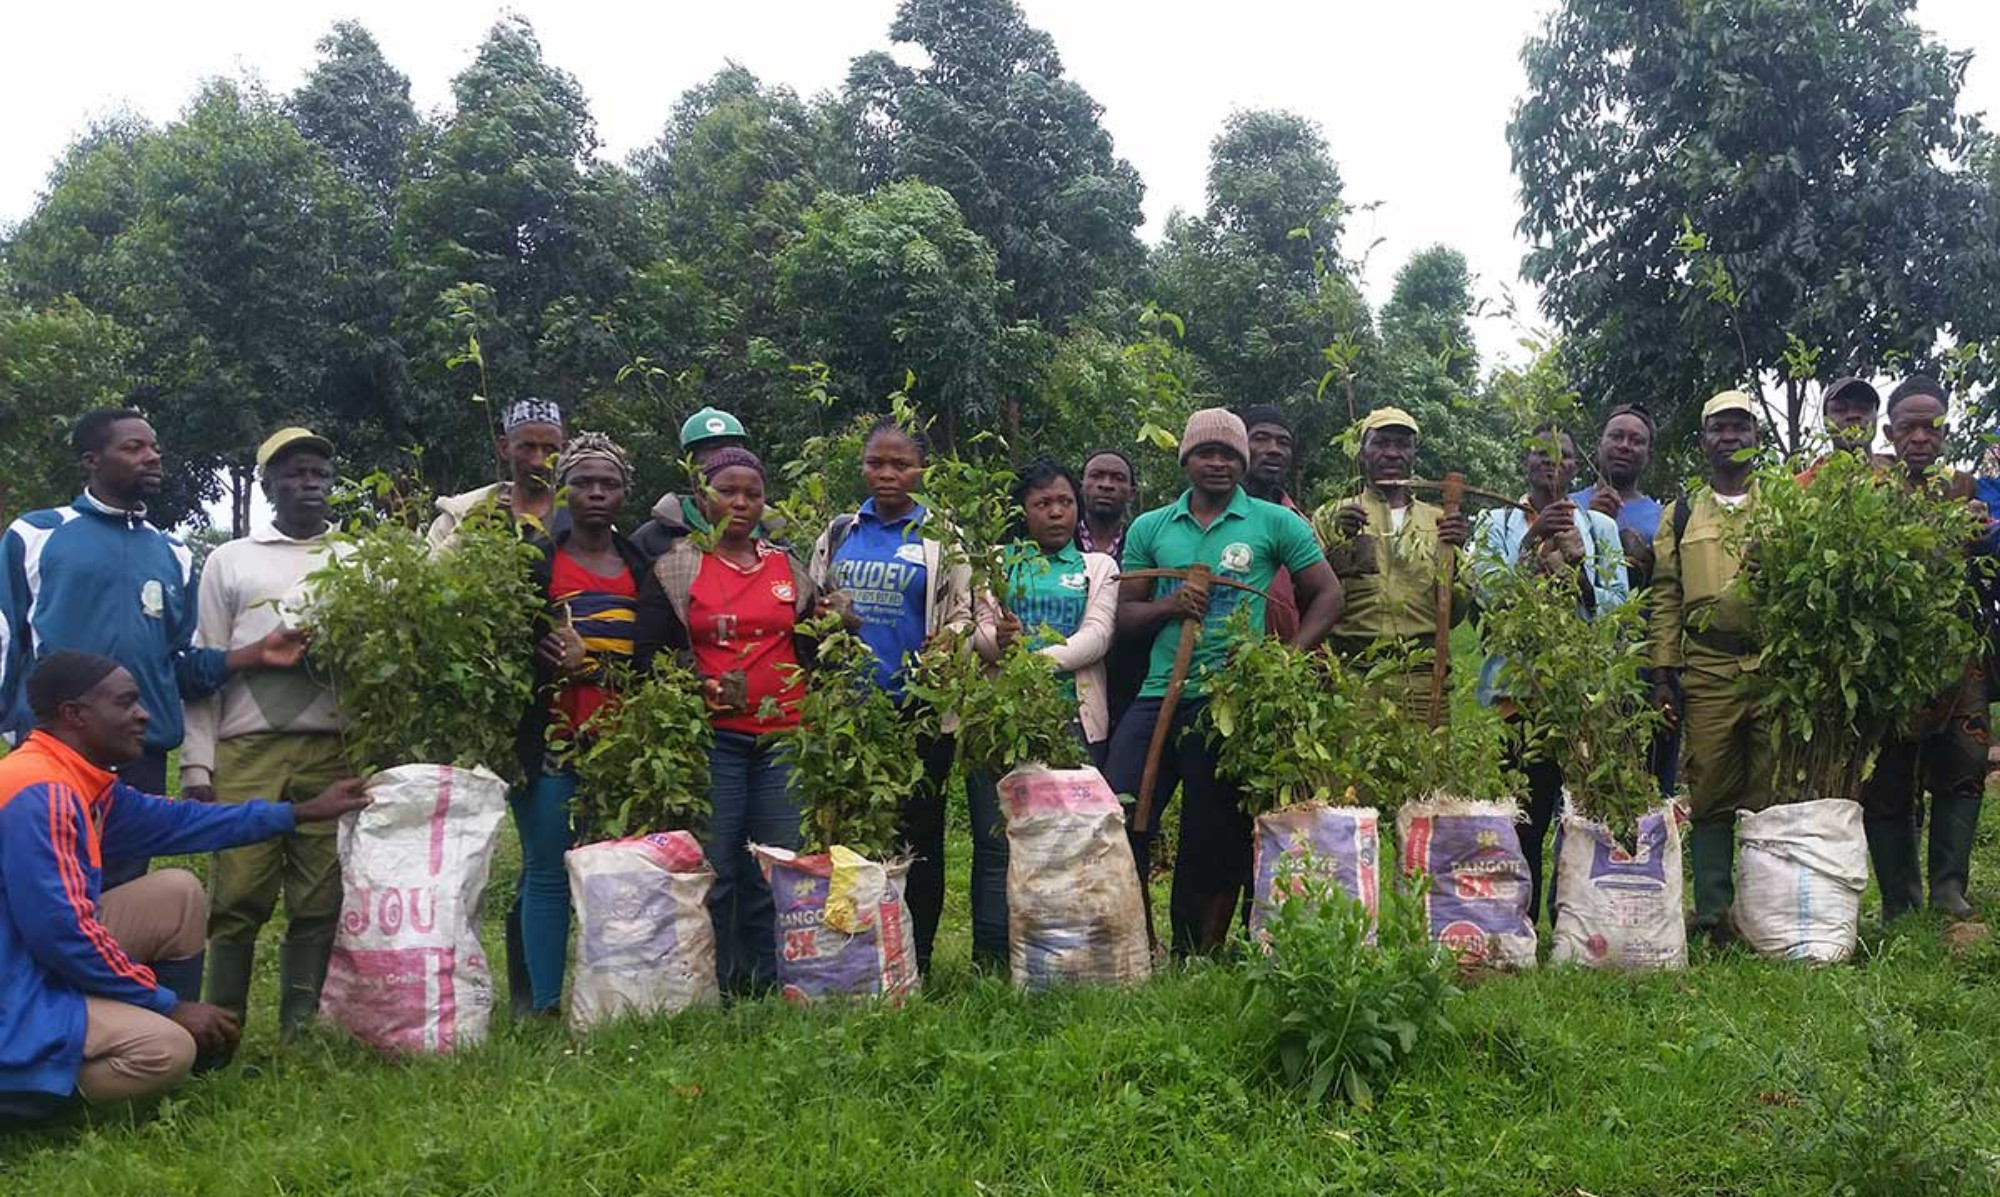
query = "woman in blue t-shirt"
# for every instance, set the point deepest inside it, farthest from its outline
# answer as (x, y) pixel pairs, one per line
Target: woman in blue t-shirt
(894, 575)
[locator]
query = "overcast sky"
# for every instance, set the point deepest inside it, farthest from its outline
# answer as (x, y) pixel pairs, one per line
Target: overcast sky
(1413, 96)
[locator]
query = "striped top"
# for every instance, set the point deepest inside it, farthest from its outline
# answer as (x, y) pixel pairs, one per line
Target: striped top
(604, 612)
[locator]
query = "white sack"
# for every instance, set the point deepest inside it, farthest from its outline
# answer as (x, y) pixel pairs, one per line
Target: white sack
(1799, 879)
(1074, 910)
(645, 942)
(1619, 909)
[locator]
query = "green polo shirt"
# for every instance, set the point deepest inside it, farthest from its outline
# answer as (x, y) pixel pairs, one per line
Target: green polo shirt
(1047, 592)
(1247, 543)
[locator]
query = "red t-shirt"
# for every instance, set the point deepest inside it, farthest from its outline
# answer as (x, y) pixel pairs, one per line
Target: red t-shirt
(603, 610)
(742, 619)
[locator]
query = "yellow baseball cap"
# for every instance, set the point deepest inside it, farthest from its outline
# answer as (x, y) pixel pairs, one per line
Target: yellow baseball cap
(291, 438)
(1387, 417)
(1728, 401)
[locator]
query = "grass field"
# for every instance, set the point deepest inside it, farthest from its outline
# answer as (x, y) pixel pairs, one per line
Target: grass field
(1738, 1076)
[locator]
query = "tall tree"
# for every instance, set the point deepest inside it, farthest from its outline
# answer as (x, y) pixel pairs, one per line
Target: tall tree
(897, 283)
(991, 119)
(1269, 304)
(227, 244)
(356, 107)
(508, 230)
(56, 362)
(1710, 185)
(1429, 312)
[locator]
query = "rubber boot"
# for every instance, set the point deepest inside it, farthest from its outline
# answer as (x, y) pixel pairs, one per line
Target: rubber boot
(184, 978)
(301, 975)
(1712, 851)
(1892, 849)
(1954, 820)
(229, 980)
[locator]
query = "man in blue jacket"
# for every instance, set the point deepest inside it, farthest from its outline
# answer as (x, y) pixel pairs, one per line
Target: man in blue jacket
(91, 978)
(95, 577)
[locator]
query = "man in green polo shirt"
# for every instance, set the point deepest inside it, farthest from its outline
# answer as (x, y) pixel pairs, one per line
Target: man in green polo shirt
(1214, 523)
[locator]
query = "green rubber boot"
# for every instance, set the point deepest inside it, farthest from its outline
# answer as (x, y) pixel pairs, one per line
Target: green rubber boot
(1892, 849)
(1954, 820)
(229, 977)
(1712, 851)
(301, 975)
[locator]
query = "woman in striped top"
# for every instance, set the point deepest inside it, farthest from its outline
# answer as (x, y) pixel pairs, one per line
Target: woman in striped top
(592, 577)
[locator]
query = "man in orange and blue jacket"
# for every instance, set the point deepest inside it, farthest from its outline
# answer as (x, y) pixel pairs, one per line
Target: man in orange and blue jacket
(88, 997)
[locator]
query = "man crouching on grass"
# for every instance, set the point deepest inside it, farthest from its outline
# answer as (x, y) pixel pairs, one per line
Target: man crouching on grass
(88, 1001)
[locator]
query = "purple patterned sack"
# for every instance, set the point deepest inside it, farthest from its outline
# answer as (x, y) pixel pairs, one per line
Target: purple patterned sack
(1478, 900)
(842, 925)
(1343, 841)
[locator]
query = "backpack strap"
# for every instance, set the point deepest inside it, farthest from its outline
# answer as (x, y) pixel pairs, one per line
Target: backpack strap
(1683, 510)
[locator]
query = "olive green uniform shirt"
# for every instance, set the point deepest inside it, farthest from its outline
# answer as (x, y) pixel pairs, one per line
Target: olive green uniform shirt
(1696, 613)
(1399, 599)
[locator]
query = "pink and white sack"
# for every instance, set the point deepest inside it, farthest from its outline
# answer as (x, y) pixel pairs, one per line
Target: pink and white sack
(645, 943)
(1478, 901)
(408, 973)
(1616, 908)
(1074, 913)
(1343, 844)
(843, 928)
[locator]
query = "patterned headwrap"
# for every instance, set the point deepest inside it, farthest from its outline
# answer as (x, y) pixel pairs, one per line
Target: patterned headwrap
(593, 446)
(530, 411)
(730, 458)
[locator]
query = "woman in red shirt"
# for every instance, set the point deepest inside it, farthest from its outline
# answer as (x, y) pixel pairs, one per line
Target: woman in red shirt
(736, 607)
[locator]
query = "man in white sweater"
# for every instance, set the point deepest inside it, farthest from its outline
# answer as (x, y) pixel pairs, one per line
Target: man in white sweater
(273, 734)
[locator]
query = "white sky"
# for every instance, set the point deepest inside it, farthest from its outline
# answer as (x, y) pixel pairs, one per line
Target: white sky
(1414, 96)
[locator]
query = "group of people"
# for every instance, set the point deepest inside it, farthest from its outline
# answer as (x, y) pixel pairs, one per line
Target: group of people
(115, 651)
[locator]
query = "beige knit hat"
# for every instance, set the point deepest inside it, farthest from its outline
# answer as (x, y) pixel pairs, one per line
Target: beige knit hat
(1215, 426)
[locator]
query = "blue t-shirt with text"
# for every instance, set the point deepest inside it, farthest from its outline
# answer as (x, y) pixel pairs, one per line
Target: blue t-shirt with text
(880, 566)
(1641, 515)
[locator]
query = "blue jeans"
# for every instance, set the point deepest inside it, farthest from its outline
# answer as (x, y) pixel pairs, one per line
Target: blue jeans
(542, 815)
(989, 870)
(748, 787)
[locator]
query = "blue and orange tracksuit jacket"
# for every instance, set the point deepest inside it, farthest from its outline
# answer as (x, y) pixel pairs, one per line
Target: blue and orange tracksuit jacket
(59, 816)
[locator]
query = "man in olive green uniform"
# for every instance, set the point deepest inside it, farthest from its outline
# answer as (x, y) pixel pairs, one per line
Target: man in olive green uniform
(1700, 635)
(1946, 752)
(1384, 545)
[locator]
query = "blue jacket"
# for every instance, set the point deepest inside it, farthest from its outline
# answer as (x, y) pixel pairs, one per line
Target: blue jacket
(99, 580)
(60, 816)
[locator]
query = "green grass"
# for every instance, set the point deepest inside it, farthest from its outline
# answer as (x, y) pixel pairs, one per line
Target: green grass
(1739, 1076)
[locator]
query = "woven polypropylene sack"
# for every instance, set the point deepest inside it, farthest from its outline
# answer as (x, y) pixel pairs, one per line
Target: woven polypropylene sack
(645, 941)
(1614, 908)
(1342, 844)
(1478, 900)
(1074, 912)
(408, 973)
(843, 927)
(1799, 880)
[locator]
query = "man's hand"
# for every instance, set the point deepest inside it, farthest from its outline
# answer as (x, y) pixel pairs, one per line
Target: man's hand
(1005, 631)
(281, 648)
(1663, 695)
(214, 1029)
(198, 794)
(334, 801)
(1350, 519)
(1191, 602)
(562, 650)
(1606, 500)
(1455, 530)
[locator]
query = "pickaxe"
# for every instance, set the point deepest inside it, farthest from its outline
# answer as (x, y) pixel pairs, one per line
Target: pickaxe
(1194, 575)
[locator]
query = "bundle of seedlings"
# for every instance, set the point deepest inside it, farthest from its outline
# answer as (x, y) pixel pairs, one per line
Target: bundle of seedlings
(430, 657)
(1862, 603)
(638, 879)
(843, 926)
(1574, 676)
(1300, 732)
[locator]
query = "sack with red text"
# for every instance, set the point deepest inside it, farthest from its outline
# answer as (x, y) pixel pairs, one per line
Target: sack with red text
(843, 928)
(1341, 843)
(645, 942)
(1614, 907)
(408, 973)
(1478, 899)
(1074, 913)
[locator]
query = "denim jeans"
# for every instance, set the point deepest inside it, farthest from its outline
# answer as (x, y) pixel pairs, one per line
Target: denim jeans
(542, 816)
(989, 870)
(748, 787)
(1545, 785)
(1213, 859)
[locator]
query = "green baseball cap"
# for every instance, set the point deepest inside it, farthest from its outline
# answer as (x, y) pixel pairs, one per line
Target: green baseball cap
(710, 424)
